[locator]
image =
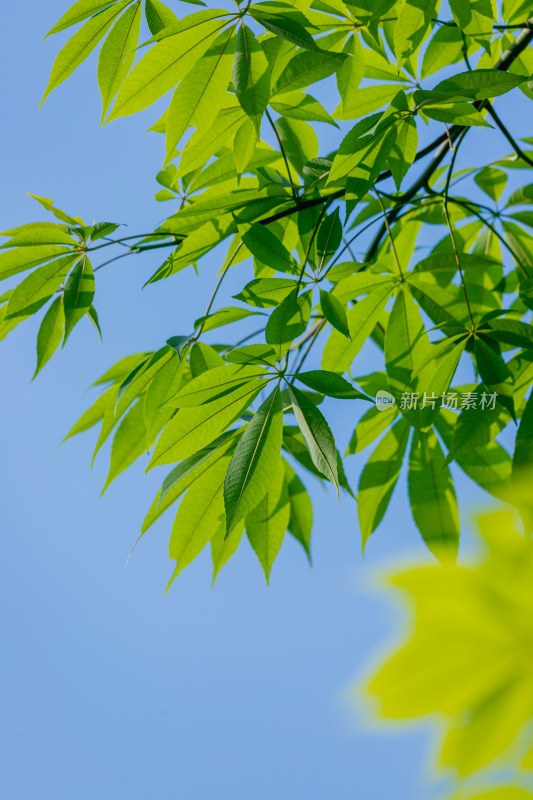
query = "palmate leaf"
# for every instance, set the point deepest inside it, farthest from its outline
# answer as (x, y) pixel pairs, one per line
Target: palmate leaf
(251, 76)
(317, 434)
(50, 333)
(118, 53)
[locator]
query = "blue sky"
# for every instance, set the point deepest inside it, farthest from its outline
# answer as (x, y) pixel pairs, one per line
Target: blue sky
(112, 689)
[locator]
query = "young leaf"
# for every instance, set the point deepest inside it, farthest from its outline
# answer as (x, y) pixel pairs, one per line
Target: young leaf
(267, 523)
(224, 547)
(317, 435)
(37, 288)
(329, 238)
(203, 358)
(266, 292)
(432, 496)
(215, 383)
(371, 425)
(254, 461)
(50, 334)
(410, 30)
(158, 16)
(523, 453)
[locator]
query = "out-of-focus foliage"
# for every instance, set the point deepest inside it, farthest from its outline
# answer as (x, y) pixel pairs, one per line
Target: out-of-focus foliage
(327, 243)
(468, 660)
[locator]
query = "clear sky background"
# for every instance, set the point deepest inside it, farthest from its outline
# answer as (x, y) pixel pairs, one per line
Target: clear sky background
(111, 689)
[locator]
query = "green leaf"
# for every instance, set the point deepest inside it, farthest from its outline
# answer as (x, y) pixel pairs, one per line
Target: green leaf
(331, 384)
(118, 53)
(224, 547)
(494, 373)
(412, 26)
(168, 62)
(317, 434)
(95, 413)
(38, 287)
(334, 312)
(493, 181)
(50, 334)
(203, 358)
(224, 316)
(191, 429)
(288, 321)
(432, 497)
(78, 12)
(267, 249)
(474, 18)
(284, 26)
(79, 294)
(251, 76)
(328, 238)
(355, 285)
(299, 141)
(254, 461)
(252, 354)
(371, 425)
(267, 523)
(266, 292)
(479, 84)
(523, 452)
(158, 16)
(185, 474)
(81, 45)
(129, 442)
(202, 93)
(379, 478)
(199, 516)
(47, 203)
(215, 383)
(306, 68)
(24, 258)
(298, 105)
(362, 319)
(406, 343)
(164, 384)
(301, 509)
(403, 150)
(488, 465)
(445, 47)
(476, 427)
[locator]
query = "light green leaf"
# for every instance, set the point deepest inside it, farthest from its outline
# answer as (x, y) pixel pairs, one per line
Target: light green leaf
(328, 238)
(225, 316)
(50, 334)
(36, 288)
(254, 461)
(379, 478)
(24, 258)
(252, 354)
(118, 53)
(214, 383)
(480, 84)
(267, 523)
(371, 425)
(202, 93)
(199, 516)
(285, 26)
(168, 62)
(224, 547)
(432, 497)
(299, 141)
(339, 352)
(406, 343)
(413, 23)
(251, 76)
(81, 45)
(474, 18)
(301, 516)
(191, 429)
(78, 12)
(95, 413)
(445, 48)
(79, 294)
(159, 16)
(523, 452)
(129, 442)
(317, 434)
(403, 150)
